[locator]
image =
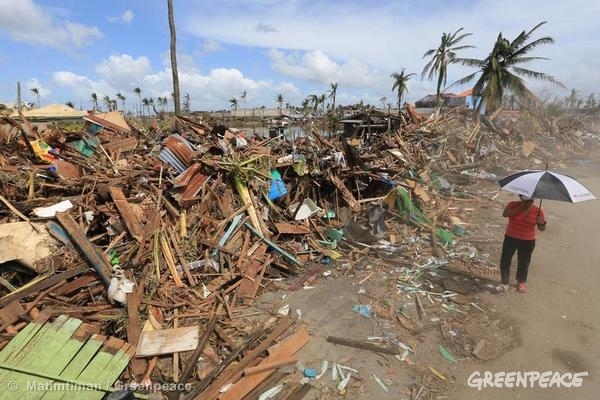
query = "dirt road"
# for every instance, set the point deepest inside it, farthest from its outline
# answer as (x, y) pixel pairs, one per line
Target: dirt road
(554, 327)
(556, 323)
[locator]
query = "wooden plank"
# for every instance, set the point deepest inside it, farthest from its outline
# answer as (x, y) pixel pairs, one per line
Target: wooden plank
(11, 313)
(42, 285)
(83, 357)
(103, 369)
(269, 365)
(38, 353)
(132, 222)
(250, 273)
(25, 335)
(170, 261)
(299, 392)
(363, 345)
(281, 352)
(64, 358)
(134, 328)
(167, 341)
(292, 229)
(98, 261)
(211, 391)
(76, 284)
(346, 193)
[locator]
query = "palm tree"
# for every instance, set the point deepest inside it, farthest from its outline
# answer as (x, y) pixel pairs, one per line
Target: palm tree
(322, 102)
(314, 100)
(243, 97)
(121, 98)
(590, 102)
(501, 72)
(36, 92)
(145, 105)
(234, 104)
(279, 100)
(442, 56)
(94, 102)
(162, 103)
(332, 93)
(187, 104)
(400, 80)
(138, 92)
(173, 49)
(305, 105)
(107, 102)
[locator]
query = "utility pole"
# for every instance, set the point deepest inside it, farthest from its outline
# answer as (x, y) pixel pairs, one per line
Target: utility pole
(18, 96)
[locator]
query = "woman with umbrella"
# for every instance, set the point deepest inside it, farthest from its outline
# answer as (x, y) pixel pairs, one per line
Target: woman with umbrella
(523, 218)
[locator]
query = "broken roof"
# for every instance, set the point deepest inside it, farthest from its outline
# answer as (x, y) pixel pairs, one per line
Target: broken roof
(112, 120)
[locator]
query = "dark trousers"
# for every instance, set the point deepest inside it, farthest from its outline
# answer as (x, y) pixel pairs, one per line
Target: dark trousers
(524, 249)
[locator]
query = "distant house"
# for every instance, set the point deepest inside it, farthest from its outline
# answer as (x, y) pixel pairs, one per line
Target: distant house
(365, 124)
(447, 99)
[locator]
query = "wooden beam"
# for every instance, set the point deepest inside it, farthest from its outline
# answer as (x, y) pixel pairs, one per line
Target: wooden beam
(132, 222)
(95, 257)
(269, 365)
(42, 285)
(281, 352)
(362, 345)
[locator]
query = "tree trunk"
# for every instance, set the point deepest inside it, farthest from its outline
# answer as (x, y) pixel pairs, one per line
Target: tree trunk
(176, 97)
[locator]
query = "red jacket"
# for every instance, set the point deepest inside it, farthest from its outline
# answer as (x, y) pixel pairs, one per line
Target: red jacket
(522, 226)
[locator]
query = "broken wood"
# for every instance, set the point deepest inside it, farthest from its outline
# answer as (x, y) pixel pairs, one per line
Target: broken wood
(269, 365)
(167, 341)
(362, 345)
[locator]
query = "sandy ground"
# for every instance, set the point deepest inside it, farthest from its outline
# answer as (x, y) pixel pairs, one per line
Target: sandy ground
(553, 327)
(556, 322)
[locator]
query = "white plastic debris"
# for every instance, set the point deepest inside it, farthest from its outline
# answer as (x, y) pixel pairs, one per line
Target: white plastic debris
(284, 310)
(380, 382)
(334, 372)
(49, 212)
(344, 382)
(89, 216)
(271, 393)
(119, 286)
(324, 366)
(205, 291)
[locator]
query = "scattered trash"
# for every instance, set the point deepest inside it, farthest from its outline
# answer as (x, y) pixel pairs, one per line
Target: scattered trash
(363, 309)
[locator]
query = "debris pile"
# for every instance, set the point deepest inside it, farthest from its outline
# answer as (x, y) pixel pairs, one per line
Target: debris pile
(164, 241)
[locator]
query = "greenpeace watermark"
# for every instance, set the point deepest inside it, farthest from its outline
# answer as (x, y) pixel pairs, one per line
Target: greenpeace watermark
(50, 386)
(153, 386)
(546, 379)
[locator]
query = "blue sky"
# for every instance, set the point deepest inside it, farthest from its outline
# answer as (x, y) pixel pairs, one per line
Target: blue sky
(69, 49)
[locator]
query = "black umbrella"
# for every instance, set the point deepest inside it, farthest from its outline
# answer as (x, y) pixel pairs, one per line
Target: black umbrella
(544, 184)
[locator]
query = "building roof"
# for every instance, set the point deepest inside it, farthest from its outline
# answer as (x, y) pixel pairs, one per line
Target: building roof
(112, 120)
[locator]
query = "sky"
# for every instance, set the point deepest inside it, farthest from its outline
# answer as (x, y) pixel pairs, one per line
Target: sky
(69, 49)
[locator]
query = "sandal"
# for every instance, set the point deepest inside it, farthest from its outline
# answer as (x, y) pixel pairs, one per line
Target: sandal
(521, 287)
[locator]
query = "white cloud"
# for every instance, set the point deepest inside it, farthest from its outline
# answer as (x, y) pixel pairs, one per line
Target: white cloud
(315, 66)
(126, 17)
(27, 22)
(209, 46)
(384, 37)
(123, 70)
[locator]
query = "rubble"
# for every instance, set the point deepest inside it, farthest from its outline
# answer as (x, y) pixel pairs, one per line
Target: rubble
(164, 241)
